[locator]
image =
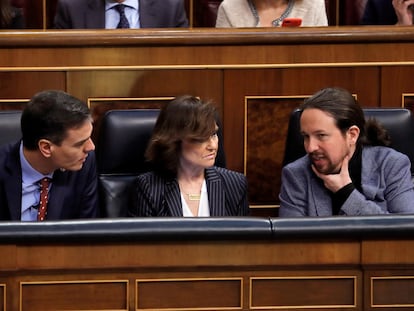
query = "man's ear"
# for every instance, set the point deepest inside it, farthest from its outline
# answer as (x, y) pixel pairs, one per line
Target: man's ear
(45, 147)
(353, 133)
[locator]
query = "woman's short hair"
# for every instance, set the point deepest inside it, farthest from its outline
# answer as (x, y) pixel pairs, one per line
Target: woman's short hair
(184, 118)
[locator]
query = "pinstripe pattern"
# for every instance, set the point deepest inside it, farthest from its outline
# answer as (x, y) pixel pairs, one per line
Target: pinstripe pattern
(154, 195)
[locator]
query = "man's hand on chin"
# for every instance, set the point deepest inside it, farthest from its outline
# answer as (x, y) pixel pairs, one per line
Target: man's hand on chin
(334, 182)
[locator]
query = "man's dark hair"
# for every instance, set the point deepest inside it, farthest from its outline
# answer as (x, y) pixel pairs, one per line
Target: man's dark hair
(344, 108)
(49, 115)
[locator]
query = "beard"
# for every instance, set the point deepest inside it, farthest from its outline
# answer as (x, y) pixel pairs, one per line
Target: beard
(323, 165)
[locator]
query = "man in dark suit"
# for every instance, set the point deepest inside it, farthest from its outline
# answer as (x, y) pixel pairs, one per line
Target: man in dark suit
(56, 145)
(388, 12)
(99, 14)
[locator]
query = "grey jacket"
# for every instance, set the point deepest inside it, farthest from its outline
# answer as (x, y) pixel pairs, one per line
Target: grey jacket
(385, 179)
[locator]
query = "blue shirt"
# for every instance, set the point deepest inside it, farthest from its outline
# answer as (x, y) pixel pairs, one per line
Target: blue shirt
(131, 13)
(30, 188)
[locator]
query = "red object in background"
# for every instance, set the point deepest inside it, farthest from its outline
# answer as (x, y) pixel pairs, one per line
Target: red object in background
(292, 22)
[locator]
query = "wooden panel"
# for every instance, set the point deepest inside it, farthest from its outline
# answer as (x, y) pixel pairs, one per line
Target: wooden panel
(207, 56)
(207, 48)
(24, 84)
(2, 297)
(266, 129)
(381, 252)
(392, 292)
(74, 295)
(207, 84)
(10, 261)
(339, 292)
(213, 253)
(104, 90)
(189, 294)
(398, 79)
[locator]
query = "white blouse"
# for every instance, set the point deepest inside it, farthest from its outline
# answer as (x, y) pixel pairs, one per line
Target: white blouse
(203, 208)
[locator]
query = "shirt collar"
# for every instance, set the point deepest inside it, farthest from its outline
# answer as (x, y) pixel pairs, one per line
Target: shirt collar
(29, 174)
(109, 4)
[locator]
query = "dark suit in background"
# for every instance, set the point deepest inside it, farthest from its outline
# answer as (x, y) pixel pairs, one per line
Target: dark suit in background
(73, 194)
(90, 14)
(157, 196)
(379, 12)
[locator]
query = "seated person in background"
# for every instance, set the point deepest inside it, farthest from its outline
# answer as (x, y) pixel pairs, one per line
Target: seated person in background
(109, 14)
(10, 16)
(56, 145)
(264, 13)
(185, 182)
(388, 12)
(347, 169)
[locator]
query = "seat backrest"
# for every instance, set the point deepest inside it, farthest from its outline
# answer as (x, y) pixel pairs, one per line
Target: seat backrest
(206, 13)
(17, 3)
(122, 140)
(10, 130)
(399, 123)
(351, 11)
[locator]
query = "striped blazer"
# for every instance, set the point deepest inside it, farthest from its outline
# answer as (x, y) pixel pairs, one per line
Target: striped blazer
(154, 195)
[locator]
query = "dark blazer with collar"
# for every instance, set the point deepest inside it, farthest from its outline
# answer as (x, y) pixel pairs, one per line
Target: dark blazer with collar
(154, 195)
(385, 180)
(73, 194)
(90, 14)
(379, 12)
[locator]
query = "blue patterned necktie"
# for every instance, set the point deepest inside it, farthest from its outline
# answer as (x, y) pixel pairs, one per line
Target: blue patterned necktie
(123, 21)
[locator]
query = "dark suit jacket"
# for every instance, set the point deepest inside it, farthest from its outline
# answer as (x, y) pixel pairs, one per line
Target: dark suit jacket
(90, 14)
(379, 12)
(73, 195)
(158, 196)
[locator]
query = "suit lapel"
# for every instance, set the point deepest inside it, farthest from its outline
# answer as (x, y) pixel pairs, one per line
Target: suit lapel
(322, 202)
(369, 180)
(95, 14)
(216, 195)
(147, 13)
(57, 196)
(173, 199)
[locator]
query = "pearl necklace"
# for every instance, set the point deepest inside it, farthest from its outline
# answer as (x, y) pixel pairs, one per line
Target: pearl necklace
(278, 20)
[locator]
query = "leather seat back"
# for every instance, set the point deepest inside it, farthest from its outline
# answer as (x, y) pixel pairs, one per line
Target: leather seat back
(10, 126)
(123, 138)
